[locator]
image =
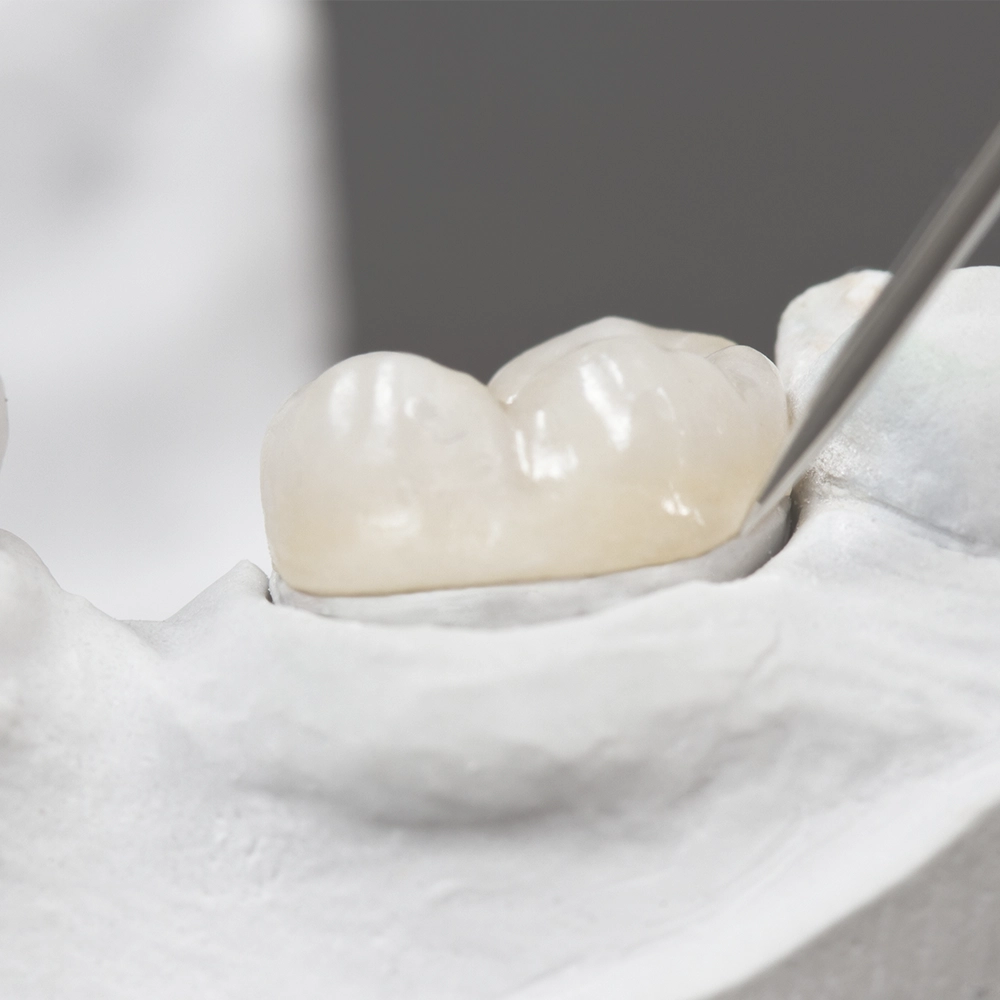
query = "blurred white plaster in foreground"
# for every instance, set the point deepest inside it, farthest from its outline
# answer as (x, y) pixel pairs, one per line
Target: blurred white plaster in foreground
(167, 281)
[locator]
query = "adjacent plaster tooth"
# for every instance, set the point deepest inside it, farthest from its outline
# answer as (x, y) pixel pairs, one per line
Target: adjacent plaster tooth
(611, 447)
(923, 439)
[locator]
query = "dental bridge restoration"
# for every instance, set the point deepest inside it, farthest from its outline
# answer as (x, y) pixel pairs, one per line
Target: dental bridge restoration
(601, 464)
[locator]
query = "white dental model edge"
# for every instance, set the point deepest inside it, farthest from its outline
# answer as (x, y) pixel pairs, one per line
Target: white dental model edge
(668, 799)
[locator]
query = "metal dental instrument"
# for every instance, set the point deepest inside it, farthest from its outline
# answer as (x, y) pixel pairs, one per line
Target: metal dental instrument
(952, 233)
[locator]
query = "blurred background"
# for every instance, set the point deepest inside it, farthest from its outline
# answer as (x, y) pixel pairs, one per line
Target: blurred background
(204, 204)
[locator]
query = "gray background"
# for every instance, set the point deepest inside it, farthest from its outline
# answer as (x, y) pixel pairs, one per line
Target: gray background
(514, 170)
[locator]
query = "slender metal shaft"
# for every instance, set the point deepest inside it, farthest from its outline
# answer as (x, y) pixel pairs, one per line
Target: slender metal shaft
(952, 233)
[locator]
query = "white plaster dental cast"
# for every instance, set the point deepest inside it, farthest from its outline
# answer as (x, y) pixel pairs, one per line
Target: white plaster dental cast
(785, 786)
(952, 356)
(611, 447)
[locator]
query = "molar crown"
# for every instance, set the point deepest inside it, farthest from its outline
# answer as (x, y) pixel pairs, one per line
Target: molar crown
(612, 447)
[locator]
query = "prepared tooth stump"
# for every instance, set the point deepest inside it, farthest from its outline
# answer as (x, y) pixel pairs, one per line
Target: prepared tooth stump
(611, 447)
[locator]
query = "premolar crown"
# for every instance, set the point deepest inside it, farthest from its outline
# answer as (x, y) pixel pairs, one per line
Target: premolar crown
(611, 447)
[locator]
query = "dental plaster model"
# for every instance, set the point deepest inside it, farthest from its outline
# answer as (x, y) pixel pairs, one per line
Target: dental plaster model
(783, 786)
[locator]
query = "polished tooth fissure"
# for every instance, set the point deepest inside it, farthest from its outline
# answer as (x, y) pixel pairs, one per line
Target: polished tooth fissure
(611, 447)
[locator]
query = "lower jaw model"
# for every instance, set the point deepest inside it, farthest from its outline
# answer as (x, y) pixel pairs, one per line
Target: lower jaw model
(785, 785)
